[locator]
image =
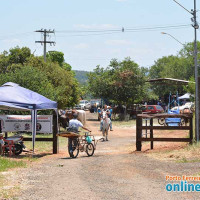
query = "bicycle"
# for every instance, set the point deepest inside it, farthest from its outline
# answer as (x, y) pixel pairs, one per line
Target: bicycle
(82, 143)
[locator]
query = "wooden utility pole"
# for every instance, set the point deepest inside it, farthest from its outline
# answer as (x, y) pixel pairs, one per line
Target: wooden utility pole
(45, 33)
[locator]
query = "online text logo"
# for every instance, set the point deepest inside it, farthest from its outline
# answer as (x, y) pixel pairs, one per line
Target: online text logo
(182, 184)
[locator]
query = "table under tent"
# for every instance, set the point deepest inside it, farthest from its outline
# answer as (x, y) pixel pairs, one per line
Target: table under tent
(14, 97)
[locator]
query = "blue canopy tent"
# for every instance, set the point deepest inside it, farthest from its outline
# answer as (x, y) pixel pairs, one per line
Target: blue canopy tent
(14, 97)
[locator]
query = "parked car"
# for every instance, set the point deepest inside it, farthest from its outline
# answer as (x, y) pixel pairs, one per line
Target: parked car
(84, 104)
(152, 109)
(87, 106)
(94, 104)
(188, 105)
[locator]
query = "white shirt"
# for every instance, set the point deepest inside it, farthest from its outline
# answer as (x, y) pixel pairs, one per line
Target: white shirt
(75, 124)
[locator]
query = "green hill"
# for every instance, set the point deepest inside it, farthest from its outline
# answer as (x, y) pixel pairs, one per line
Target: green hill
(81, 76)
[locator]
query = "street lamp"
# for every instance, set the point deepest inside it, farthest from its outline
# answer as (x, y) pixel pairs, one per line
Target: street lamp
(195, 26)
(172, 37)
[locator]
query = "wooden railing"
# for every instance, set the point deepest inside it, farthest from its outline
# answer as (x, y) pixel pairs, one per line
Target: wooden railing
(188, 118)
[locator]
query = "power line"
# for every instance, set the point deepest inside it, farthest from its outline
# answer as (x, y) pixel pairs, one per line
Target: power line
(45, 33)
(123, 29)
(129, 30)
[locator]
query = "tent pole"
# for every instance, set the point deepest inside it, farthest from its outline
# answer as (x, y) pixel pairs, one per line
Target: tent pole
(55, 131)
(34, 124)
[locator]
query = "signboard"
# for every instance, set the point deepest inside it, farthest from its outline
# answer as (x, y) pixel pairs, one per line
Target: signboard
(15, 123)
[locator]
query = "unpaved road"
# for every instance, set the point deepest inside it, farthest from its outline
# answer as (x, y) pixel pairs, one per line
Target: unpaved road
(114, 172)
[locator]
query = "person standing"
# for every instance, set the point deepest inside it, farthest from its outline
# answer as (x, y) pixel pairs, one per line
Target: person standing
(110, 116)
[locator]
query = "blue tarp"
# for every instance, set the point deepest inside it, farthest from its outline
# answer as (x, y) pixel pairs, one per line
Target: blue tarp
(173, 121)
(14, 97)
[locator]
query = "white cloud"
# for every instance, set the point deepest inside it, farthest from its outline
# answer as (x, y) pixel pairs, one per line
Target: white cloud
(95, 26)
(118, 42)
(81, 46)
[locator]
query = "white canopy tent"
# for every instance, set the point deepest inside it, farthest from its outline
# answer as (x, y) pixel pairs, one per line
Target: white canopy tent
(14, 97)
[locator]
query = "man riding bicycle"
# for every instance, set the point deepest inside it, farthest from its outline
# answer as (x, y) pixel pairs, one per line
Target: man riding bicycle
(74, 125)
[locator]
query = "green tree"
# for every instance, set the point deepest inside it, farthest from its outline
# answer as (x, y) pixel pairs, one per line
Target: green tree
(121, 82)
(56, 73)
(56, 56)
(30, 78)
(65, 84)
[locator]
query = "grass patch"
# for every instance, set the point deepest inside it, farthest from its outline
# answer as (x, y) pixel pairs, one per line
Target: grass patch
(6, 163)
(44, 147)
(185, 160)
(124, 124)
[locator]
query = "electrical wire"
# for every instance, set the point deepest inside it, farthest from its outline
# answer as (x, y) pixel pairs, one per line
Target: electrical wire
(81, 33)
(130, 30)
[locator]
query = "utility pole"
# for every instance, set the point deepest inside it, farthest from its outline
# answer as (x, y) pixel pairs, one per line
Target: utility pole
(195, 26)
(45, 33)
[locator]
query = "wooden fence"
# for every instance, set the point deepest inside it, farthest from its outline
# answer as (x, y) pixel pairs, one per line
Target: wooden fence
(188, 118)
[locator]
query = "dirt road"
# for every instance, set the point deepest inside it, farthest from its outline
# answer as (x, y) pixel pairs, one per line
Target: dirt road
(114, 172)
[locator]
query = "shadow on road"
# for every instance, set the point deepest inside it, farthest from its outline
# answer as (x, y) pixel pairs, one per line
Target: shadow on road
(81, 157)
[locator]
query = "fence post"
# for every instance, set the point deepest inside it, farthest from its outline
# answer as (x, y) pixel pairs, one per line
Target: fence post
(191, 130)
(138, 133)
(55, 131)
(151, 132)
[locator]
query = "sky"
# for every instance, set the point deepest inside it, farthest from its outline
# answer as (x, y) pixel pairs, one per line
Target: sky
(88, 32)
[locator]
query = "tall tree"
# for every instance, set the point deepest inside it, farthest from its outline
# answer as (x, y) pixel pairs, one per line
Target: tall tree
(121, 82)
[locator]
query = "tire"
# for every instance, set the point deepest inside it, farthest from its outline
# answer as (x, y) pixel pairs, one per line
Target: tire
(75, 147)
(18, 149)
(161, 121)
(90, 149)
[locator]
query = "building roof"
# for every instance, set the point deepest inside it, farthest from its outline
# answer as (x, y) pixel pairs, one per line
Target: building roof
(169, 81)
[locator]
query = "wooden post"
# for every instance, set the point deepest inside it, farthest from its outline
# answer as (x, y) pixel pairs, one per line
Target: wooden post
(151, 132)
(199, 108)
(6, 135)
(55, 132)
(191, 130)
(138, 133)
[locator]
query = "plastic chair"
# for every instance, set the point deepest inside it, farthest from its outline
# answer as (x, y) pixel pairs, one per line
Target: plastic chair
(10, 144)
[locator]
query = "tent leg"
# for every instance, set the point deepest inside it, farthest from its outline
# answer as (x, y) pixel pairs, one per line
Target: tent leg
(34, 124)
(55, 132)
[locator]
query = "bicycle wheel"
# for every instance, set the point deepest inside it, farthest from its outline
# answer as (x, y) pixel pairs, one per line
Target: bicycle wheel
(75, 148)
(90, 149)
(161, 121)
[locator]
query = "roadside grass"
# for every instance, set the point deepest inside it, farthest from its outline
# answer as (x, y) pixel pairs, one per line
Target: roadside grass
(7, 191)
(187, 154)
(124, 124)
(7, 163)
(43, 147)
